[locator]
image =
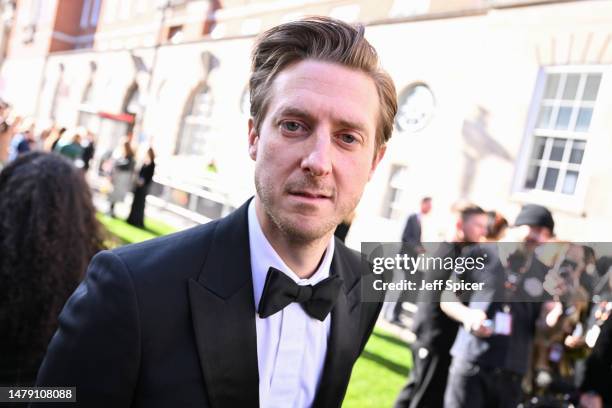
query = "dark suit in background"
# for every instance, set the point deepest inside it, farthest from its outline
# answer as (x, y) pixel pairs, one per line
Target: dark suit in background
(171, 323)
(141, 189)
(412, 233)
(411, 245)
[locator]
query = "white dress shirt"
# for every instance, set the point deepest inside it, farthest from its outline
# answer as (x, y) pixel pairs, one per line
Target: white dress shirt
(291, 345)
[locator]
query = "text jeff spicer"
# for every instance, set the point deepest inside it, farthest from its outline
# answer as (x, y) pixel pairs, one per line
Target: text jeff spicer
(436, 285)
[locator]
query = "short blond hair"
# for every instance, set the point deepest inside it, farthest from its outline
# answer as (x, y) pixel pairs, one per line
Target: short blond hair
(325, 39)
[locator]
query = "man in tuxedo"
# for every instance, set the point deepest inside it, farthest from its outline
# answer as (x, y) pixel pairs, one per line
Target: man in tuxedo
(262, 307)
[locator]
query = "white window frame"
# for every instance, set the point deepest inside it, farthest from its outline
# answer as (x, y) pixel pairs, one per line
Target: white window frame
(571, 203)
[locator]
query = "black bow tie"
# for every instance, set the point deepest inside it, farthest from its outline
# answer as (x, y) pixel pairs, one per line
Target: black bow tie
(280, 290)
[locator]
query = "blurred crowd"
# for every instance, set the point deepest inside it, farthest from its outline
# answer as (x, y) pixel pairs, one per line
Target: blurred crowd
(20, 135)
(117, 167)
(540, 337)
(48, 227)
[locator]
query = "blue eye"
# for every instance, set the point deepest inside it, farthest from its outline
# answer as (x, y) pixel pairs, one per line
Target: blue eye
(348, 138)
(291, 126)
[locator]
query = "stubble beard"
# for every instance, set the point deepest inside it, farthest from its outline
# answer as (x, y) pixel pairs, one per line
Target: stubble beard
(292, 230)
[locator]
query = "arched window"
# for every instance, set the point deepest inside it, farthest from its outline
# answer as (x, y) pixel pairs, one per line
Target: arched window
(88, 116)
(195, 135)
(416, 105)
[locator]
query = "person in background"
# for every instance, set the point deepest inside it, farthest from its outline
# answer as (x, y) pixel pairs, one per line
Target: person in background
(413, 231)
(413, 246)
(73, 150)
(44, 135)
(8, 128)
(560, 347)
(490, 360)
(88, 150)
(496, 226)
(121, 175)
(49, 234)
(435, 331)
(23, 141)
(52, 142)
(141, 189)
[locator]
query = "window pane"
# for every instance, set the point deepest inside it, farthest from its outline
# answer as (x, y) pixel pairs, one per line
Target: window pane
(538, 147)
(556, 153)
(202, 104)
(532, 176)
(584, 119)
(577, 152)
(544, 118)
(552, 82)
(550, 180)
(591, 87)
(569, 184)
(563, 118)
(571, 86)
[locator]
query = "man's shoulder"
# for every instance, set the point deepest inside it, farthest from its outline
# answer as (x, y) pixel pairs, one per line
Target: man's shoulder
(180, 253)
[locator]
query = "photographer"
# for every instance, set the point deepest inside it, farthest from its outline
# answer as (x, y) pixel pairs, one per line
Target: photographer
(490, 354)
(434, 330)
(560, 339)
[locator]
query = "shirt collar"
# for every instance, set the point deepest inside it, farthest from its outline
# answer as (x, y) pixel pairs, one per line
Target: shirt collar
(263, 256)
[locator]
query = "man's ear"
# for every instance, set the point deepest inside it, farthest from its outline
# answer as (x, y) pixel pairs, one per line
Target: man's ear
(377, 158)
(459, 227)
(253, 139)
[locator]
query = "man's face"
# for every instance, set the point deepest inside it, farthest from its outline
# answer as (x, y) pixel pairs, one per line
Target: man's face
(314, 152)
(474, 228)
(538, 235)
(575, 254)
(426, 206)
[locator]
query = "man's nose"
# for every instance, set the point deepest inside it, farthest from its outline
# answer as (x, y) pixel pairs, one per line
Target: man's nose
(317, 156)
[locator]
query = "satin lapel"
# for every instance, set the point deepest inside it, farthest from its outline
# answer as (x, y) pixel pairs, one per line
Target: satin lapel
(223, 315)
(344, 341)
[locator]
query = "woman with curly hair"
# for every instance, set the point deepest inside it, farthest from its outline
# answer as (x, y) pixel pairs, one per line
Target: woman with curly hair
(48, 234)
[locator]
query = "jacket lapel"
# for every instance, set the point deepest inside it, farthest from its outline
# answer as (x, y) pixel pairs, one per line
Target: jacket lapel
(223, 315)
(344, 343)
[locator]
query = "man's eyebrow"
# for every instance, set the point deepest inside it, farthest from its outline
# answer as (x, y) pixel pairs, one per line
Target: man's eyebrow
(293, 111)
(300, 113)
(352, 125)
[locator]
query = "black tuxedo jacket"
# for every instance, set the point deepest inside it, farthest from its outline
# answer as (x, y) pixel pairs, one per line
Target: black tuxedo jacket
(171, 323)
